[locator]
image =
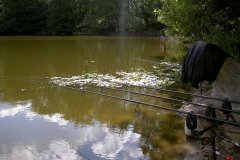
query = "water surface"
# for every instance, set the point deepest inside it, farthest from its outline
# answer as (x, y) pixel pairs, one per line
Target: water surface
(39, 121)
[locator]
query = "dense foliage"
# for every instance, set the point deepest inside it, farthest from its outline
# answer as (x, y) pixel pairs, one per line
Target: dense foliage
(64, 17)
(216, 21)
(60, 17)
(22, 16)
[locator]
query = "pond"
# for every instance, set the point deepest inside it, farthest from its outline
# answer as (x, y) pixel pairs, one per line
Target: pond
(40, 119)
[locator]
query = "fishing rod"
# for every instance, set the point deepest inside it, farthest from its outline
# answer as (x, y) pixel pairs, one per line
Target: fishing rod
(82, 90)
(193, 117)
(171, 99)
(28, 79)
(139, 102)
(189, 94)
(228, 140)
(153, 88)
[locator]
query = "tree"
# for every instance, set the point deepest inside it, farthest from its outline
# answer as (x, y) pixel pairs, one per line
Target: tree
(120, 16)
(143, 17)
(61, 17)
(100, 17)
(22, 16)
(216, 21)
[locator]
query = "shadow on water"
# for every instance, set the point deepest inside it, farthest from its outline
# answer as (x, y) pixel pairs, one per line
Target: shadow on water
(40, 121)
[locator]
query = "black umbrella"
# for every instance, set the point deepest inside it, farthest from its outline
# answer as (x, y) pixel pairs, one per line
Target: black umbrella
(202, 63)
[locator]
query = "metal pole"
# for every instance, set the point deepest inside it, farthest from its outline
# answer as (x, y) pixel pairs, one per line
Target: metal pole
(213, 133)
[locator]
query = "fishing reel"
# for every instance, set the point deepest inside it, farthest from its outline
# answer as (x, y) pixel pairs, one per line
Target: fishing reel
(210, 112)
(191, 121)
(227, 107)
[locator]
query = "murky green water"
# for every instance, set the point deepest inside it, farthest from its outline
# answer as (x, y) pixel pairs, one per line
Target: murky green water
(39, 121)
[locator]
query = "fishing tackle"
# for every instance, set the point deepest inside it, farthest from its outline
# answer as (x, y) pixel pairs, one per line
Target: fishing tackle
(227, 106)
(188, 94)
(170, 99)
(210, 112)
(191, 121)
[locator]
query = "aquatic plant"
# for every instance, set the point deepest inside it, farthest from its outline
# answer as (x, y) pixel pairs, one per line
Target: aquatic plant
(165, 74)
(107, 80)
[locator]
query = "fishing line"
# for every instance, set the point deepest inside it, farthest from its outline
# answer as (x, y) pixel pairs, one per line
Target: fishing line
(228, 140)
(144, 60)
(143, 103)
(214, 121)
(57, 155)
(27, 79)
(188, 94)
(147, 87)
(171, 99)
(156, 106)
(234, 132)
(30, 150)
(78, 151)
(20, 77)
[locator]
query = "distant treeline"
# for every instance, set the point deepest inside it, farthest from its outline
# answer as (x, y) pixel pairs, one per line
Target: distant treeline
(66, 17)
(216, 21)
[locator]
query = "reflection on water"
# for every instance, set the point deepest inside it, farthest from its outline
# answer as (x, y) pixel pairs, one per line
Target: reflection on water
(95, 140)
(38, 121)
